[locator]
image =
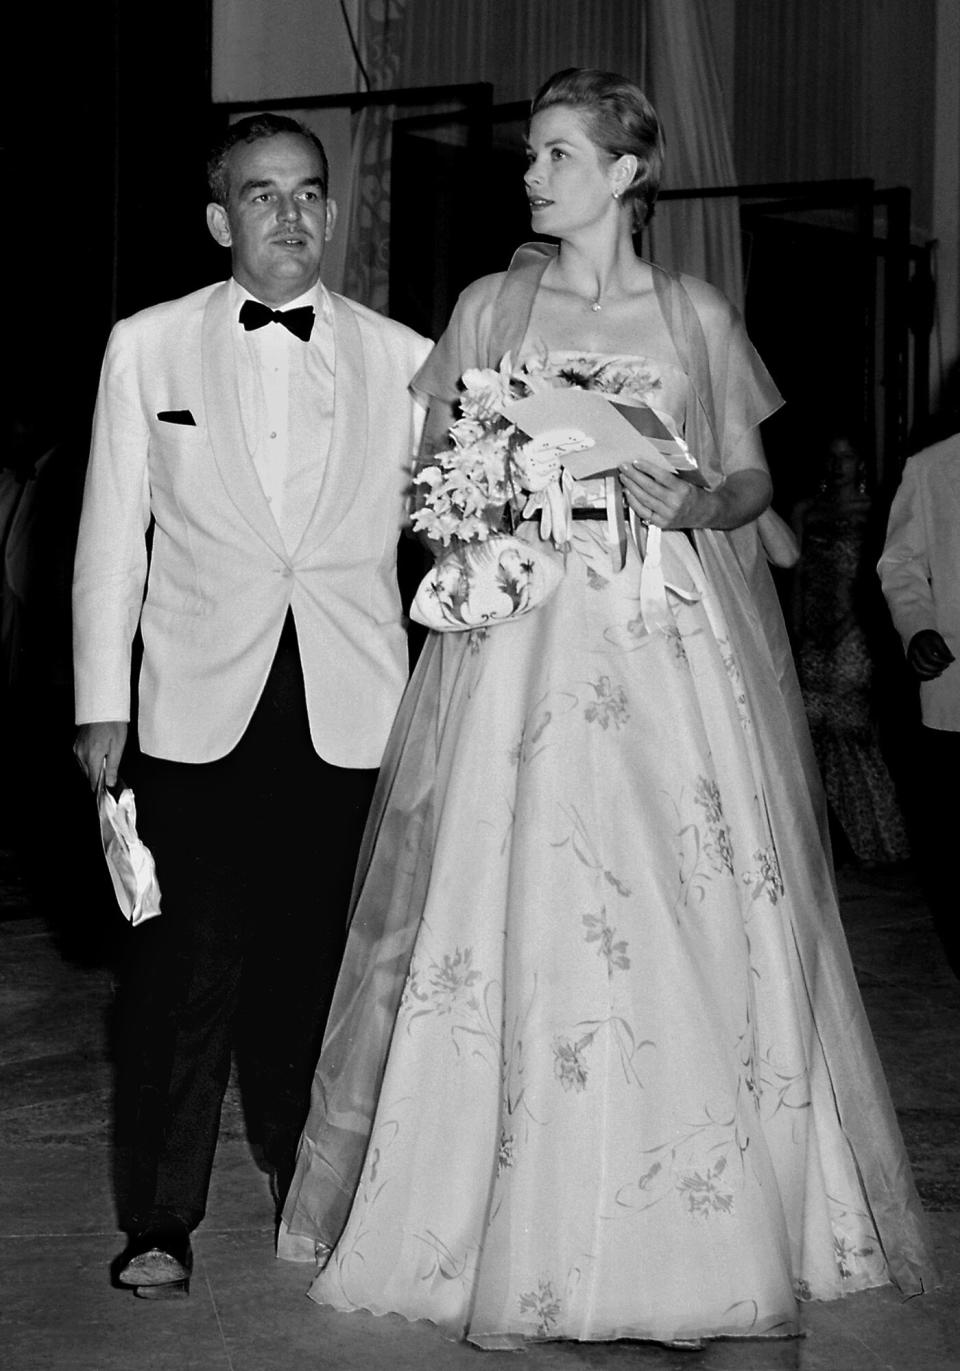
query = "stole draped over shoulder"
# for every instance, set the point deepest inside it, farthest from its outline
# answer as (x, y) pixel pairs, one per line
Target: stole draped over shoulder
(699, 892)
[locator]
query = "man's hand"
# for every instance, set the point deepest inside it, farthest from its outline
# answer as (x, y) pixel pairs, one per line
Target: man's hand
(927, 654)
(93, 743)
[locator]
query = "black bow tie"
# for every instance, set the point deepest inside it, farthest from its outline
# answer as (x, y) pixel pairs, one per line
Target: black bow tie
(298, 321)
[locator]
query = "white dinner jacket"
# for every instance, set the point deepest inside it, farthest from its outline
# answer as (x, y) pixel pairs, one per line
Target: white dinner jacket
(920, 568)
(220, 578)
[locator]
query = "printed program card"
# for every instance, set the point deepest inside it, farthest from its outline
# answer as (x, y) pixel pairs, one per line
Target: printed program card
(596, 434)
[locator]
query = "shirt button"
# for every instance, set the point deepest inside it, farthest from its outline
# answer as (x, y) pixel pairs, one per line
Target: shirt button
(273, 434)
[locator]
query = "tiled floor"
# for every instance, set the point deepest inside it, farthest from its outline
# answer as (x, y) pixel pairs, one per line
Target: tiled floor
(247, 1312)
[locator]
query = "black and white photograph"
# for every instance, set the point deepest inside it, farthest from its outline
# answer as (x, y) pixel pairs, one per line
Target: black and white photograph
(479, 687)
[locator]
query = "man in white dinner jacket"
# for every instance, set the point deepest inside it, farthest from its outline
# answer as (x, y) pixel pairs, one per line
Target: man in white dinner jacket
(244, 498)
(920, 574)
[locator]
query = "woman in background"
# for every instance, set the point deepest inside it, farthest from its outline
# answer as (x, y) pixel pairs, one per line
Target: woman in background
(597, 1066)
(838, 609)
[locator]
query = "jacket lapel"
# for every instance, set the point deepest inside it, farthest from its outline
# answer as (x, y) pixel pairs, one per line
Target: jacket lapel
(221, 395)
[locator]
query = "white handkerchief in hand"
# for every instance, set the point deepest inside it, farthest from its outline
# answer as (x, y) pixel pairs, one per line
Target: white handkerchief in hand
(129, 860)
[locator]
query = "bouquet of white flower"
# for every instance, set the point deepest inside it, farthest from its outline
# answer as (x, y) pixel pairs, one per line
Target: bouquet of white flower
(587, 416)
(494, 473)
(471, 497)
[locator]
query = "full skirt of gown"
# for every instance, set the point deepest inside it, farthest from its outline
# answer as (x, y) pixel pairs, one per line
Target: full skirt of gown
(598, 1043)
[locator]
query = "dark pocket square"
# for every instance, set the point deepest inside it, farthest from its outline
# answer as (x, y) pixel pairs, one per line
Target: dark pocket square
(176, 416)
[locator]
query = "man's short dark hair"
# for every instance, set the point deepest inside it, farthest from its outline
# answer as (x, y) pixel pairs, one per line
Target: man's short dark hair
(252, 130)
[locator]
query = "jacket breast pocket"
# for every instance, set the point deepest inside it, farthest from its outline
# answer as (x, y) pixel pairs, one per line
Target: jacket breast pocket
(176, 435)
(175, 450)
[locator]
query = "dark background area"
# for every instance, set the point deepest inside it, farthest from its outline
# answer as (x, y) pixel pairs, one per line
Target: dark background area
(105, 135)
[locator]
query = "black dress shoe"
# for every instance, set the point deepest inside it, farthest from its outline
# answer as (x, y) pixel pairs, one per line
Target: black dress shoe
(158, 1262)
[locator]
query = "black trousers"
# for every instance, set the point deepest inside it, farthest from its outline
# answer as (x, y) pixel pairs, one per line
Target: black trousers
(935, 839)
(255, 858)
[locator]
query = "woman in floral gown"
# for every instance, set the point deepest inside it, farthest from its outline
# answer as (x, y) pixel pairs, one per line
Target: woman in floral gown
(597, 1066)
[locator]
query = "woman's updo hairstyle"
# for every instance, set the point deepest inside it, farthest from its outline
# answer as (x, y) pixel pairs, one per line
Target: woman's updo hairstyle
(619, 119)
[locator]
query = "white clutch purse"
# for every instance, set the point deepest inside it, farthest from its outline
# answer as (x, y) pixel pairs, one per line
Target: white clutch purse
(479, 583)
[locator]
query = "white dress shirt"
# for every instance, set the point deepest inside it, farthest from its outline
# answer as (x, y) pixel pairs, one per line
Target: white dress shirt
(286, 399)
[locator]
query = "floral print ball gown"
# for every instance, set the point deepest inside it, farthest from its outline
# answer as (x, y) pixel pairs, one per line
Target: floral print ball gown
(603, 1107)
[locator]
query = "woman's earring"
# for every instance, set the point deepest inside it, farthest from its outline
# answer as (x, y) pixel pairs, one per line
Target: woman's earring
(617, 193)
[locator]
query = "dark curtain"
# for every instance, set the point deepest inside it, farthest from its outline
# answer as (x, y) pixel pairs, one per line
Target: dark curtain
(827, 90)
(105, 143)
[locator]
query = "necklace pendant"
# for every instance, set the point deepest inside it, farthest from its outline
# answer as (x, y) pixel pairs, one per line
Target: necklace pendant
(596, 306)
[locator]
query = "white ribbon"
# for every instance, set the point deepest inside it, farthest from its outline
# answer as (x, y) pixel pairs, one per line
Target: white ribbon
(615, 525)
(654, 605)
